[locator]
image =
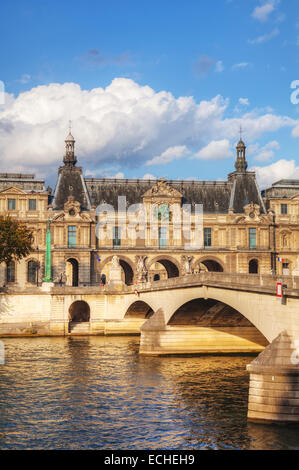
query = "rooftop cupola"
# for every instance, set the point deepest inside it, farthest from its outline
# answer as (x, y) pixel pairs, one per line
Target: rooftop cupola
(241, 163)
(70, 159)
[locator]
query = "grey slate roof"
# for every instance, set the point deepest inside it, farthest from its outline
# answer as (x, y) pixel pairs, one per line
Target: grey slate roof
(70, 182)
(214, 195)
(245, 191)
(26, 182)
(282, 188)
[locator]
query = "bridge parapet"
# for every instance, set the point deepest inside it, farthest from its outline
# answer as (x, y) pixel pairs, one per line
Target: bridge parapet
(254, 282)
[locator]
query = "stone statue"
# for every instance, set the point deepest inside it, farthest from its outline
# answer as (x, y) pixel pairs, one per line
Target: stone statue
(115, 262)
(141, 270)
(295, 271)
(115, 274)
(186, 265)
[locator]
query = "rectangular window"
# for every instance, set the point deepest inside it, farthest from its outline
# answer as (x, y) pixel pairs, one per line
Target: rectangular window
(252, 238)
(162, 237)
(11, 204)
(207, 237)
(116, 237)
(72, 235)
(32, 272)
(285, 269)
(284, 209)
(10, 272)
(32, 204)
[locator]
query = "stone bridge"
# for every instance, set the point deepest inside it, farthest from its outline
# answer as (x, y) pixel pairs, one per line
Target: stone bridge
(199, 313)
(235, 303)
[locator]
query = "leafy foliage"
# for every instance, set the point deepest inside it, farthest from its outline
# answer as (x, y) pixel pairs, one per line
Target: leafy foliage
(15, 240)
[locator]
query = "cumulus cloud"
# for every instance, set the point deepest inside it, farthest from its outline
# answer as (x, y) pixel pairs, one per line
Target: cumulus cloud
(282, 169)
(149, 176)
(170, 154)
(244, 101)
(265, 37)
(263, 12)
(295, 132)
(267, 152)
(124, 124)
(215, 150)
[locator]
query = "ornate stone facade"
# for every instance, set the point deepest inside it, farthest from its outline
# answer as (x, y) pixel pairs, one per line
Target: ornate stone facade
(243, 231)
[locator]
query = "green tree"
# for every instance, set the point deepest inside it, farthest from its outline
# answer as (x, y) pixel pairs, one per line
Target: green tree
(15, 240)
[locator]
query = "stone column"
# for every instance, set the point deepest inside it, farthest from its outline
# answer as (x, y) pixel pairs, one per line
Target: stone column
(274, 382)
(48, 280)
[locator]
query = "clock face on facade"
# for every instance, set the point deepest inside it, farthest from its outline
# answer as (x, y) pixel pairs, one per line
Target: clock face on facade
(162, 212)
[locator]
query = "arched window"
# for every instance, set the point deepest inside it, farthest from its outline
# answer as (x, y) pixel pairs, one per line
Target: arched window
(11, 271)
(253, 266)
(72, 272)
(32, 271)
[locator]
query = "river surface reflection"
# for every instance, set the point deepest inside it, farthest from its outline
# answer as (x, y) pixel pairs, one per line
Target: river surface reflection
(98, 393)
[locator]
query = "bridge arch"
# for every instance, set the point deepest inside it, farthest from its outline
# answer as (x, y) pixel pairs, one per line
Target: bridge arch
(200, 322)
(242, 302)
(171, 265)
(79, 311)
(139, 309)
(219, 324)
(211, 263)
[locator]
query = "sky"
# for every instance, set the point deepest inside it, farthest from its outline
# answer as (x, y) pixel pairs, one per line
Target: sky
(152, 89)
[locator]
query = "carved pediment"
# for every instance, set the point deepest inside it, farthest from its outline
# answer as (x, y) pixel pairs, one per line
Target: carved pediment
(12, 190)
(72, 210)
(252, 212)
(71, 207)
(59, 217)
(161, 189)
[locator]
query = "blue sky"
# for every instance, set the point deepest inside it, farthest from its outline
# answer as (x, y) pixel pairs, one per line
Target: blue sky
(152, 88)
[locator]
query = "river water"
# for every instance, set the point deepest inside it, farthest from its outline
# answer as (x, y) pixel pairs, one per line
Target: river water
(98, 393)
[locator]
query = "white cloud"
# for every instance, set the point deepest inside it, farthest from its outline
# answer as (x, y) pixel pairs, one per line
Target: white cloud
(219, 67)
(25, 78)
(118, 175)
(215, 150)
(262, 13)
(241, 65)
(170, 154)
(267, 152)
(265, 37)
(282, 169)
(244, 101)
(149, 176)
(122, 124)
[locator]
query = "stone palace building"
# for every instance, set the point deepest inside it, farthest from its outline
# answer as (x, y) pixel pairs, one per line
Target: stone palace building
(243, 230)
